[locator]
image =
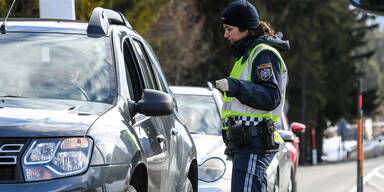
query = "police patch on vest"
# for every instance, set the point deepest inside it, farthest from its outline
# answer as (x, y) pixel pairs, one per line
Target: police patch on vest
(264, 71)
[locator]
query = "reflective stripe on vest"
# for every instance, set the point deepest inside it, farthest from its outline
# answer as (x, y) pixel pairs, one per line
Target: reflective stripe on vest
(233, 107)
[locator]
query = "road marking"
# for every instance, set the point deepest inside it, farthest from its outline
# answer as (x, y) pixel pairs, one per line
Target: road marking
(374, 173)
(379, 175)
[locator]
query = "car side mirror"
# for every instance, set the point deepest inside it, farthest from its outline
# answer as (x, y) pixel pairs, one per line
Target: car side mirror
(153, 103)
(297, 127)
(371, 6)
(287, 136)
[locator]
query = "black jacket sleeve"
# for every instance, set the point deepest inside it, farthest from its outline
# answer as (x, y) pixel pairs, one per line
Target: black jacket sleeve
(262, 92)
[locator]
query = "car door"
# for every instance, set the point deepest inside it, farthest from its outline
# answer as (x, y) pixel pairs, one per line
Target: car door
(172, 131)
(150, 130)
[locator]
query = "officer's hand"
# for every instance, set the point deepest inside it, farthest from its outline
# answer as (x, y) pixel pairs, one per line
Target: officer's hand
(229, 153)
(224, 135)
(222, 84)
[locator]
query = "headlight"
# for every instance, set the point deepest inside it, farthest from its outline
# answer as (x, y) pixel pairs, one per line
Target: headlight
(54, 158)
(211, 170)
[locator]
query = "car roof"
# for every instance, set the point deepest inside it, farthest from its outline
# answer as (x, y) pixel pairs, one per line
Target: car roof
(98, 25)
(46, 25)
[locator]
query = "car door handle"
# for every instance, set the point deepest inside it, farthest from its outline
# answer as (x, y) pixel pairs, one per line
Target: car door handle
(174, 131)
(160, 138)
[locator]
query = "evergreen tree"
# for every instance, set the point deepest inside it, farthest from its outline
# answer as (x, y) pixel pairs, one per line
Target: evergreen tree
(324, 37)
(24, 9)
(141, 14)
(84, 8)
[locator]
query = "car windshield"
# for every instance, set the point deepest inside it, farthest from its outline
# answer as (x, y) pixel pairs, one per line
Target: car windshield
(200, 114)
(56, 66)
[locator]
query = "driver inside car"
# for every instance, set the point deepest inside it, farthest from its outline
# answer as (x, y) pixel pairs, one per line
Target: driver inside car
(58, 83)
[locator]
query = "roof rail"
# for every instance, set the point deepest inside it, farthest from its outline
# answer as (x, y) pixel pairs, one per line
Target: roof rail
(101, 19)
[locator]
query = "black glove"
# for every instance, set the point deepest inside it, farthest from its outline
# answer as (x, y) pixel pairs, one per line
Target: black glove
(229, 152)
(225, 137)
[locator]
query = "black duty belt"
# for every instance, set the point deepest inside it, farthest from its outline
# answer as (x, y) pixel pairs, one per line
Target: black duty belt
(256, 130)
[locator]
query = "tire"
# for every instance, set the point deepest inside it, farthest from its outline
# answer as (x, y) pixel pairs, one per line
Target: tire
(187, 187)
(131, 189)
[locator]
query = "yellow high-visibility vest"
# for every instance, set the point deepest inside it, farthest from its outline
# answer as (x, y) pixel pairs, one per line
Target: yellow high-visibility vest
(232, 107)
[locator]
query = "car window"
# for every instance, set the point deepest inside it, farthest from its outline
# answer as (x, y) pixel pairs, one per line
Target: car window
(135, 77)
(199, 113)
(57, 66)
(145, 66)
(153, 59)
(159, 71)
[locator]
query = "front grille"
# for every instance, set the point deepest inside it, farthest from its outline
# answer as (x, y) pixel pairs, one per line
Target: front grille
(11, 151)
(8, 160)
(7, 172)
(7, 148)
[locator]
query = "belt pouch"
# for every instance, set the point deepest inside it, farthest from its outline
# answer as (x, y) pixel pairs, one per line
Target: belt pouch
(268, 130)
(239, 135)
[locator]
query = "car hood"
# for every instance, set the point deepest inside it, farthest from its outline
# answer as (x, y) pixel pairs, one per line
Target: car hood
(23, 117)
(208, 146)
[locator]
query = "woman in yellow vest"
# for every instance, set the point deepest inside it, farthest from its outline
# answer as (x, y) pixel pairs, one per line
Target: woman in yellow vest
(253, 95)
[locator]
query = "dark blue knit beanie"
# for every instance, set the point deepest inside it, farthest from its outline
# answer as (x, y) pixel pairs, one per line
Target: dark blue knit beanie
(241, 14)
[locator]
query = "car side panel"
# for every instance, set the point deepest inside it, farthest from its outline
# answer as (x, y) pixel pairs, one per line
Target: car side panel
(114, 138)
(182, 150)
(154, 145)
(186, 153)
(171, 134)
(168, 163)
(150, 130)
(285, 166)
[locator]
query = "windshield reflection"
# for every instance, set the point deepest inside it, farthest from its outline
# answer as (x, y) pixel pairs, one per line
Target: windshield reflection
(56, 66)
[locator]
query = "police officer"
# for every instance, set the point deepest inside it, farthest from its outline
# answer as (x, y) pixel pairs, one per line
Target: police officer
(253, 95)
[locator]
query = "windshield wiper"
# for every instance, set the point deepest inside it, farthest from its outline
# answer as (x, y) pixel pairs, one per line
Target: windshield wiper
(15, 96)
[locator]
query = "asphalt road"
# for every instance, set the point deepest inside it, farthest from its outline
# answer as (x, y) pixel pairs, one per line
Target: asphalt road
(341, 177)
